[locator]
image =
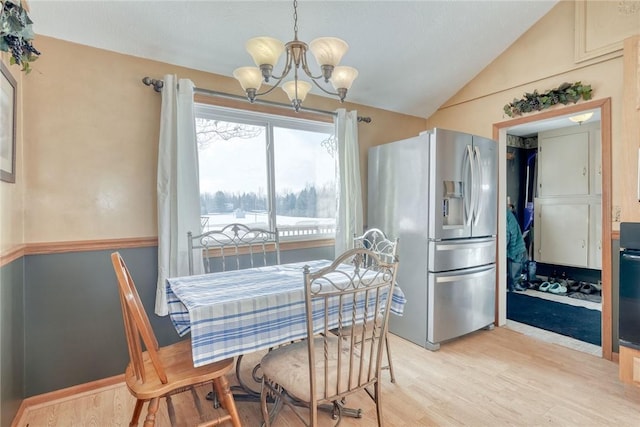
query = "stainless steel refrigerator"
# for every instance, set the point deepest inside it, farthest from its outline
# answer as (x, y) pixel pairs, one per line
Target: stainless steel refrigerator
(437, 193)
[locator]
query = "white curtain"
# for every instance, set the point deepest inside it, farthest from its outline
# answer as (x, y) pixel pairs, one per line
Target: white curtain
(349, 212)
(178, 183)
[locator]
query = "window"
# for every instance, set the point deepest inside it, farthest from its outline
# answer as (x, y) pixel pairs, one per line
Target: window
(266, 171)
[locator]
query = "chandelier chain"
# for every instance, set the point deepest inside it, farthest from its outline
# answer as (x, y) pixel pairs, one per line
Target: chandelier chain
(295, 19)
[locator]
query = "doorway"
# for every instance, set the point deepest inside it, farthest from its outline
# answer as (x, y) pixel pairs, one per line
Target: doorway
(500, 131)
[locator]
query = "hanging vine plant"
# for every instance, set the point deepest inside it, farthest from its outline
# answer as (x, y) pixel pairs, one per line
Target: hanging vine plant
(565, 94)
(16, 34)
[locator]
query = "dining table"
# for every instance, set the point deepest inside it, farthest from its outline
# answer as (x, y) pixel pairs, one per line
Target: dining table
(232, 313)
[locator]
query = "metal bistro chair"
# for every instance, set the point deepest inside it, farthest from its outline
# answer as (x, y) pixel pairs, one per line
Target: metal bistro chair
(375, 240)
(236, 246)
(350, 297)
(239, 244)
(164, 371)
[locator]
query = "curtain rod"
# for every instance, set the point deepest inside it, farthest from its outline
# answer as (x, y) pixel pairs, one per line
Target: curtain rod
(158, 84)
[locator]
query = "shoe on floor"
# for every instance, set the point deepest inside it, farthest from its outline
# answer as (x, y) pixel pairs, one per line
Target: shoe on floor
(519, 288)
(544, 287)
(587, 288)
(573, 285)
(558, 288)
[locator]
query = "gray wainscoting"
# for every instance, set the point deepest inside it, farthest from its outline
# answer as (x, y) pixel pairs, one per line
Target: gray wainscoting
(73, 330)
(12, 332)
(74, 327)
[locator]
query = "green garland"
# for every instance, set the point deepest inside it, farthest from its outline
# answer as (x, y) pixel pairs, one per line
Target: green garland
(535, 101)
(16, 34)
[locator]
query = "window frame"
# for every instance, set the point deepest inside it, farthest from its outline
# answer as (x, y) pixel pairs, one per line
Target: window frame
(268, 121)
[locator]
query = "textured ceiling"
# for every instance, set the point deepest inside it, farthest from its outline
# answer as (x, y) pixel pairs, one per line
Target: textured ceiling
(412, 55)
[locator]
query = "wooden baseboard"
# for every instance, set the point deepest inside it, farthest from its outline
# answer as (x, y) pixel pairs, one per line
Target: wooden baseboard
(58, 396)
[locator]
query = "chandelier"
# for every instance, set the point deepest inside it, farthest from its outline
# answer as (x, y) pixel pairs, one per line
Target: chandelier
(266, 51)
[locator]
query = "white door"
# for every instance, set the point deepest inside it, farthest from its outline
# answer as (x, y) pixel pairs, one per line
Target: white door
(562, 232)
(563, 165)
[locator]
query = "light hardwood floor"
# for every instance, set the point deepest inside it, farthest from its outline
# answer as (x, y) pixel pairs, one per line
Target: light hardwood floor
(488, 378)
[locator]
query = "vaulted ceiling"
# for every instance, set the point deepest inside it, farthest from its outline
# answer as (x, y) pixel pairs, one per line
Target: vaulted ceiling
(412, 56)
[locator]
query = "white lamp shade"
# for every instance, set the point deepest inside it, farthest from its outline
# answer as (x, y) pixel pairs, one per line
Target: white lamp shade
(328, 50)
(249, 77)
(264, 50)
(343, 77)
(290, 88)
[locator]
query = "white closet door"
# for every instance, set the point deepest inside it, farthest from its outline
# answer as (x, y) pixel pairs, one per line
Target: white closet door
(562, 233)
(563, 165)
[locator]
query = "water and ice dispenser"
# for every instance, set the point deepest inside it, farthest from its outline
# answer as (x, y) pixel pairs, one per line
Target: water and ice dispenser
(453, 203)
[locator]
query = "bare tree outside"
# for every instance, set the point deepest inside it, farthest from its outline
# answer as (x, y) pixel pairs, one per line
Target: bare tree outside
(208, 131)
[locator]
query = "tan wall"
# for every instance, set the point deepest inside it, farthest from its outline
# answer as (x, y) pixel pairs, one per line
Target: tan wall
(91, 141)
(543, 58)
(629, 168)
(12, 194)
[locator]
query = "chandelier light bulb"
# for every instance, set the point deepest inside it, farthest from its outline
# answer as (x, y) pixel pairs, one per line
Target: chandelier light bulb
(343, 77)
(328, 50)
(249, 77)
(265, 50)
(300, 94)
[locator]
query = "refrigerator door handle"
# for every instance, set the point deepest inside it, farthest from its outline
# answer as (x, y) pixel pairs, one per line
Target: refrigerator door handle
(478, 187)
(477, 272)
(469, 193)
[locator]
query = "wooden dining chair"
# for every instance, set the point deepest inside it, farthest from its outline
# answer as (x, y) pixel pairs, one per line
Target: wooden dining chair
(164, 371)
(376, 240)
(351, 296)
(236, 246)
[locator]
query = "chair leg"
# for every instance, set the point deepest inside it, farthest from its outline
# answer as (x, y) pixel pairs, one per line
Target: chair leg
(171, 411)
(393, 377)
(276, 405)
(376, 387)
(196, 401)
(136, 413)
(226, 398)
(266, 421)
(154, 404)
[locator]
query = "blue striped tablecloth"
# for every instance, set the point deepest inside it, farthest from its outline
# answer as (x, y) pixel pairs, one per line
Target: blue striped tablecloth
(236, 312)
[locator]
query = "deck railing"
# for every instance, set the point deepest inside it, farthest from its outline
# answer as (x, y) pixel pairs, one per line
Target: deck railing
(308, 231)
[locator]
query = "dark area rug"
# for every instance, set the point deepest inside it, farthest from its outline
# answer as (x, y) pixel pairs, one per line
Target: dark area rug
(576, 322)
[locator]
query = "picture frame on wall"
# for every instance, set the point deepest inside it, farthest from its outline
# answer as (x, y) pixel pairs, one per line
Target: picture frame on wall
(8, 120)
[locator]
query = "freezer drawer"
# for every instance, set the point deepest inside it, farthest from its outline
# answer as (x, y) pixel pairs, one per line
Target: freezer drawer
(457, 254)
(459, 302)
